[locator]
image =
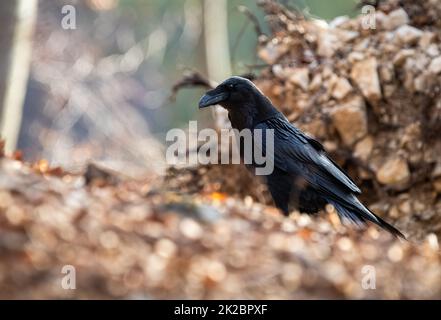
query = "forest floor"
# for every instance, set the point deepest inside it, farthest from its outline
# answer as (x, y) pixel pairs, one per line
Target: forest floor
(145, 239)
(371, 95)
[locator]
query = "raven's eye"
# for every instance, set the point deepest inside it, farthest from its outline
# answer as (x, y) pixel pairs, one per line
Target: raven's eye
(231, 86)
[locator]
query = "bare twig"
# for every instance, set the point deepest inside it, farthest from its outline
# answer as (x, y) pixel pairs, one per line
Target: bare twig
(252, 18)
(191, 79)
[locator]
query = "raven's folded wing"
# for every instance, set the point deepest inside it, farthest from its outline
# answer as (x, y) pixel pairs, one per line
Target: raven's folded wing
(300, 155)
(294, 151)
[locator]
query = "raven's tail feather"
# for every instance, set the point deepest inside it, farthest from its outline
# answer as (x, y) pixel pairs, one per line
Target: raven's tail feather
(359, 214)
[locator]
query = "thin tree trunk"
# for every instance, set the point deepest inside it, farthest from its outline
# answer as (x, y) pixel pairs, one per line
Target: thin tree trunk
(217, 48)
(17, 19)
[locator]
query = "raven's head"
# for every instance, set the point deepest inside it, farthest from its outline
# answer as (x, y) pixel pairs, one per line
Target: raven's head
(246, 104)
(233, 93)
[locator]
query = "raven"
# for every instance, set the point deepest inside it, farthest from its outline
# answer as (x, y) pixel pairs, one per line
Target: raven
(304, 176)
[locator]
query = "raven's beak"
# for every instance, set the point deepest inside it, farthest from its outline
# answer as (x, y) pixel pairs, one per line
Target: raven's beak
(211, 98)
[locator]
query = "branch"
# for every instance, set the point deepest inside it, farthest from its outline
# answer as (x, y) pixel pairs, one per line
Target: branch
(244, 10)
(191, 79)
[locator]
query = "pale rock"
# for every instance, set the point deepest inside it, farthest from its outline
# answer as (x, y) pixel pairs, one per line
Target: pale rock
(279, 71)
(327, 43)
(407, 34)
(435, 65)
(388, 36)
(294, 76)
(315, 128)
(380, 18)
(432, 50)
(350, 120)
(394, 171)
(338, 21)
(364, 74)
(437, 185)
(355, 56)
(362, 45)
(436, 173)
(426, 39)
(327, 72)
(409, 81)
(332, 79)
(363, 148)
(386, 73)
(422, 61)
(394, 213)
(341, 88)
(272, 51)
(405, 207)
(346, 35)
(418, 206)
(329, 40)
(300, 77)
(316, 82)
(402, 55)
(420, 83)
(330, 146)
(395, 19)
(389, 90)
(411, 65)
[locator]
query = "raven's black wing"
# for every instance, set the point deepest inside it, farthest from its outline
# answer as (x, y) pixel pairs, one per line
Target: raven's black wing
(293, 149)
(301, 156)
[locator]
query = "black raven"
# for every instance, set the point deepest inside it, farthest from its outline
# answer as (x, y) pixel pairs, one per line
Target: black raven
(304, 176)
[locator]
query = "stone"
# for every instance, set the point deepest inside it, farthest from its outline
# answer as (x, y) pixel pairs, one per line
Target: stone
(341, 88)
(407, 34)
(420, 83)
(296, 76)
(329, 40)
(432, 50)
(350, 120)
(386, 73)
(364, 73)
(389, 90)
(435, 65)
(402, 55)
(426, 39)
(300, 77)
(315, 128)
(437, 185)
(346, 35)
(272, 51)
(405, 207)
(327, 43)
(394, 171)
(394, 213)
(279, 71)
(355, 56)
(316, 82)
(436, 173)
(395, 19)
(363, 45)
(380, 18)
(363, 148)
(338, 21)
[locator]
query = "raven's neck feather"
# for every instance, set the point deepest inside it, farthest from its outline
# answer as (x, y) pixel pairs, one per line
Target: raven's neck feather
(252, 113)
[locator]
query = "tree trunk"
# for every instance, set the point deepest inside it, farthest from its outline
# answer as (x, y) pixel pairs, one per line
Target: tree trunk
(17, 24)
(217, 48)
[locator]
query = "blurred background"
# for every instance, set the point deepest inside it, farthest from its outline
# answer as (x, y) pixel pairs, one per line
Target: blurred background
(91, 79)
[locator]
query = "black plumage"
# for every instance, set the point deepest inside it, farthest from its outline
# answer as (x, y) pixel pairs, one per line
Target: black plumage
(304, 176)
